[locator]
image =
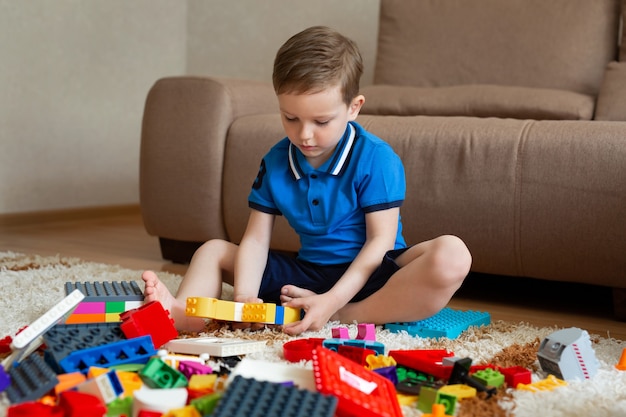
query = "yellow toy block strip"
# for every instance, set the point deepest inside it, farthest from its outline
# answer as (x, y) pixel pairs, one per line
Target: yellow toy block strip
(259, 313)
(291, 315)
(212, 308)
(228, 310)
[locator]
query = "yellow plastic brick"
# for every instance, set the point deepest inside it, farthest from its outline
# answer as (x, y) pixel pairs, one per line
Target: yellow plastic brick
(547, 384)
(259, 313)
(188, 411)
(379, 361)
(204, 382)
(211, 308)
(291, 315)
(460, 391)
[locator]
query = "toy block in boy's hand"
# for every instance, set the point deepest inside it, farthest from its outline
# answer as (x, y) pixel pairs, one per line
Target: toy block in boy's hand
(268, 313)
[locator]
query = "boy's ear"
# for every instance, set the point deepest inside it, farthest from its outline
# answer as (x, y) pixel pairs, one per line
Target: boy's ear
(355, 106)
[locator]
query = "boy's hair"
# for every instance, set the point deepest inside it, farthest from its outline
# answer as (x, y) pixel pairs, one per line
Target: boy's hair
(315, 59)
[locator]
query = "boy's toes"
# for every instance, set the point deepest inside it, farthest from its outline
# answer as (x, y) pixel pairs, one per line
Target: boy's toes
(290, 292)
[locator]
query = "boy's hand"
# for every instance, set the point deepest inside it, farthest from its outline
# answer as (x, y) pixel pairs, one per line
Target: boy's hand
(318, 311)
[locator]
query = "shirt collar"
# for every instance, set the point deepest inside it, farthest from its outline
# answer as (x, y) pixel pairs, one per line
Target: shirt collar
(335, 165)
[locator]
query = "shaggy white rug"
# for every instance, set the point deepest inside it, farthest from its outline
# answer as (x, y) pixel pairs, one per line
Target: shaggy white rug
(32, 284)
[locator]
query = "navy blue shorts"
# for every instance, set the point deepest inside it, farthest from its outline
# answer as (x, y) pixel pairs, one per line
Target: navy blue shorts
(283, 269)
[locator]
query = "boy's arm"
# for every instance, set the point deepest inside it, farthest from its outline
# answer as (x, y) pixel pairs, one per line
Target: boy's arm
(381, 229)
(251, 256)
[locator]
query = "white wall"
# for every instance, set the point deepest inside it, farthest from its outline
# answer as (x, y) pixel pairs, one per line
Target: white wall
(240, 38)
(74, 76)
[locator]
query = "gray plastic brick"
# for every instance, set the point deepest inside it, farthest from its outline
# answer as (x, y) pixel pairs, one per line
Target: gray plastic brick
(30, 380)
(247, 397)
(63, 339)
(107, 290)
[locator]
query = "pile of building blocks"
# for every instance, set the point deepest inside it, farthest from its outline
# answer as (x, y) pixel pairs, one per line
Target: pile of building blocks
(104, 301)
(139, 367)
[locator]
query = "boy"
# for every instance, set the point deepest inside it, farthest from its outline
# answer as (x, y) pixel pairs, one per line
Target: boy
(341, 189)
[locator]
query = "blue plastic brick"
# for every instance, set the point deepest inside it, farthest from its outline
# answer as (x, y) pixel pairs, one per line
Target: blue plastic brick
(447, 323)
(30, 380)
(333, 344)
(5, 379)
(136, 350)
(280, 315)
(63, 339)
(246, 397)
(107, 290)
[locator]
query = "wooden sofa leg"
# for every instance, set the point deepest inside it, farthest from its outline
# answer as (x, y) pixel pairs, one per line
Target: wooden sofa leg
(619, 303)
(178, 251)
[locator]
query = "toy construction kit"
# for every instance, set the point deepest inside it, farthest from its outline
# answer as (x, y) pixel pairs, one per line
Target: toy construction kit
(102, 351)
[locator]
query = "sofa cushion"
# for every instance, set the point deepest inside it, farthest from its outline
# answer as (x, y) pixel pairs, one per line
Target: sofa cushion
(478, 101)
(612, 100)
(561, 44)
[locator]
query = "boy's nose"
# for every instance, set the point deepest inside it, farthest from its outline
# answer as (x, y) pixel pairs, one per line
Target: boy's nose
(306, 134)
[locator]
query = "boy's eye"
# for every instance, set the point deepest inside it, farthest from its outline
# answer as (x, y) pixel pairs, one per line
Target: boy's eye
(322, 123)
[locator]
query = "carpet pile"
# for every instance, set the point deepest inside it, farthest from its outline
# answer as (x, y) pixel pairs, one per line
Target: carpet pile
(32, 284)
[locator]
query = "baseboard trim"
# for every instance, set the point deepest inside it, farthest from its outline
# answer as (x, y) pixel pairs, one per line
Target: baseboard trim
(64, 215)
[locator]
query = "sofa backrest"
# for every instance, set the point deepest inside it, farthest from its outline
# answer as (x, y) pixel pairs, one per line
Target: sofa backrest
(560, 44)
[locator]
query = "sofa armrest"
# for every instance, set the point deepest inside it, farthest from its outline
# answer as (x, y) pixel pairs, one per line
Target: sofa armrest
(184, 129)
(611, 104)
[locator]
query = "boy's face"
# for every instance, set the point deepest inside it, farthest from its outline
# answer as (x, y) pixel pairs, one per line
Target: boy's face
(315, 123)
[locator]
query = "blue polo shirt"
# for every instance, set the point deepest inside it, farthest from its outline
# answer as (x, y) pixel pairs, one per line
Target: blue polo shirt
(326, 206)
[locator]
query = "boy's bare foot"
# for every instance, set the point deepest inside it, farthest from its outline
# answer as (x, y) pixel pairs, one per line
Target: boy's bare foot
(155, 290)
(289, 292)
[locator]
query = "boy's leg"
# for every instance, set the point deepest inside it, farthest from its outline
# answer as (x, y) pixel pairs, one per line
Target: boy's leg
(211, 264)
(429, 275)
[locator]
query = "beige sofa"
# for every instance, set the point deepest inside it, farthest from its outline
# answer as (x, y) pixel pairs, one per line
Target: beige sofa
(510, 118)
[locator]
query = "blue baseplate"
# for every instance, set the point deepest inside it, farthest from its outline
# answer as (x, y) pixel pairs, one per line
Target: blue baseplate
(447, 323)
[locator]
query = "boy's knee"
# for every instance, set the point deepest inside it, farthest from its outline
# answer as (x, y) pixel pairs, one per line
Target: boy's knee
(452, 258)
(211, 248)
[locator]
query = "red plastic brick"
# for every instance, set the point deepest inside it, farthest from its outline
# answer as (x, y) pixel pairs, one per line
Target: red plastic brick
(428, 361)
(356, 354)
(360, 391)
(80, 404)
(516, 375)
(149, 319)
(301, 349)
(31, 409)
